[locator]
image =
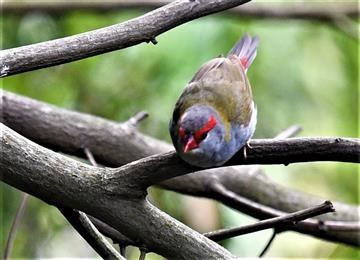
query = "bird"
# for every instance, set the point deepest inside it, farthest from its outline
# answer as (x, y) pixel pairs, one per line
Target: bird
(215, 116)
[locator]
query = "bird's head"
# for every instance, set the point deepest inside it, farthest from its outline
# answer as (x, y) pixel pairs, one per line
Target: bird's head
(200, 134)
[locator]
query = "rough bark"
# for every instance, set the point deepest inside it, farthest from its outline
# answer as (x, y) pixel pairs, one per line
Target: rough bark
(69, 131)
(141, 29)
(59, 180)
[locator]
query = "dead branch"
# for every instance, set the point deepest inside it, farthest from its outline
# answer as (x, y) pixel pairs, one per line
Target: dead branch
(141, 29)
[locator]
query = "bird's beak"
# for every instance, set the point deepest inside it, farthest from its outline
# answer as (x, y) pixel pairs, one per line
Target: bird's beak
(190, 145)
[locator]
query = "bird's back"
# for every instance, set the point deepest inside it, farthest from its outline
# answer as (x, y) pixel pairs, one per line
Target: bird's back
(222, 84)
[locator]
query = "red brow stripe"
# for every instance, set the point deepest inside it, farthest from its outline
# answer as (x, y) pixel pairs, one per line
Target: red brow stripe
(205, 129)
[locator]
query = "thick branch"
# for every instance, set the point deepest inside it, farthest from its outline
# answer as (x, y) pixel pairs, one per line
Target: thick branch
(58, 180)
(141, 29)
(72, 132)
(157, 168)
(292, 150)
(116, 144)
(281, 222)
(259, 10)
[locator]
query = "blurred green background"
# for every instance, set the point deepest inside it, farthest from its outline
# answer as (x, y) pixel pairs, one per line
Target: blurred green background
(306, 73)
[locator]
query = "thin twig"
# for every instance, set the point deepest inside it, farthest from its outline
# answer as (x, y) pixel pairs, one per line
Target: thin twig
(142, 254)
(122, 250)
(92, 224)
(289, 132)
(90, 157)
(110, 232)
(268, 244)
(85, 221)
(221, 193)
(18, 215)
(88, 231)
(137, 118)
(347, 25)
(260, 211)
(288, 219)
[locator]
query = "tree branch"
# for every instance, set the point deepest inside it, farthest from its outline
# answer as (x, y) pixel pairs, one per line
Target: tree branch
(278, 222)
(116, 144)
(90, 157)
(89, 232)
(157, 168)
(258, 10)
(137, 118)
(292, 131)
(268, 244)
(71, 132)
(57, 179)
(18, 216)
(141, 29)
(347, 25)
(115, 235)
(81, 223)
(252, 193)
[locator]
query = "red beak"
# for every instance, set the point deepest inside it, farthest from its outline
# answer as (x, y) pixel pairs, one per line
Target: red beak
(191, 144)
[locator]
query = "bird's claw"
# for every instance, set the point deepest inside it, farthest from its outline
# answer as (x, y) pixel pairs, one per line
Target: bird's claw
(247, 145)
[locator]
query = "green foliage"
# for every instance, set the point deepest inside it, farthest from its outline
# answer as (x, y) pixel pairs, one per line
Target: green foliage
(306, 73)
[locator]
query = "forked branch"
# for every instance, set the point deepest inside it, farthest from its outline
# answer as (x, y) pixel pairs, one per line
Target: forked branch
(117, 144)
(57, 179)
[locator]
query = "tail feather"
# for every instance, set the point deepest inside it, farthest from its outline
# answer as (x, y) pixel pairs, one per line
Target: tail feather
(245, 49)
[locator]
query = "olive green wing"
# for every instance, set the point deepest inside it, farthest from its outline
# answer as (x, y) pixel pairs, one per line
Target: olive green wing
(223, 83)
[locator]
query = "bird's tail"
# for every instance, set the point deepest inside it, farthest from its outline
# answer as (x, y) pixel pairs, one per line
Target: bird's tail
(245, 50)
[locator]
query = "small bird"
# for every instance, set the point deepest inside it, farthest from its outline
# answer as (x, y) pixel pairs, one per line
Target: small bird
(215, 116)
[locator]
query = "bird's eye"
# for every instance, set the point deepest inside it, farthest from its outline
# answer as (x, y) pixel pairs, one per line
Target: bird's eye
(203, 136)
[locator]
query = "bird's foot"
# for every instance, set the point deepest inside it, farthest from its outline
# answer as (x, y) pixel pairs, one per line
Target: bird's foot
(247, 145)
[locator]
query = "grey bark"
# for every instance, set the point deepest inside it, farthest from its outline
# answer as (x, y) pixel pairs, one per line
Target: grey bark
(68, 131)
(117, 196)
(141, 29)
(58, 180)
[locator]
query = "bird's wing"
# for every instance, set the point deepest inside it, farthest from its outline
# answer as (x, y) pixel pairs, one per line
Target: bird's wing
(222, 83)
(210, 65)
